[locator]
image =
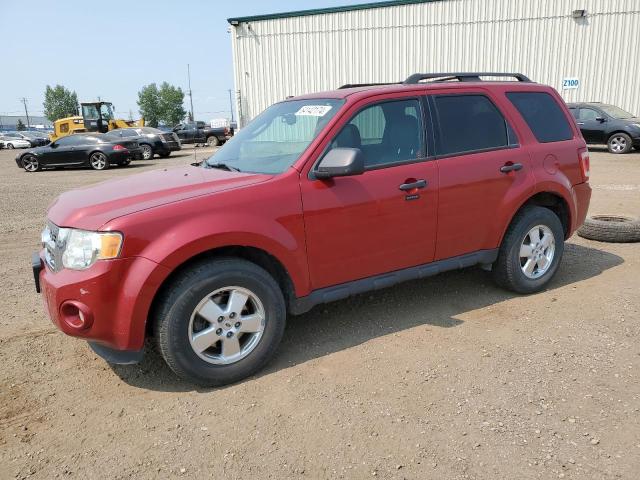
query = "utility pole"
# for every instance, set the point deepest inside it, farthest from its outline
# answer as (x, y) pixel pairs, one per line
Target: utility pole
(231, 104)
(193, 118)
(24, 101)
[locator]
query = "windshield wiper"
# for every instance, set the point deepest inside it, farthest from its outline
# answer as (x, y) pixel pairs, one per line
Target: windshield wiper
(223, 166)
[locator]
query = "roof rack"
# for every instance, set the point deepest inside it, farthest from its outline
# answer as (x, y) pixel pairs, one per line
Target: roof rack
(357, 85)
(462, 77)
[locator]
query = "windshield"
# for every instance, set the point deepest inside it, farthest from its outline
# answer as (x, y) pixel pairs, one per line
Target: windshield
(90, 112)
(276, 138)
(615, 112)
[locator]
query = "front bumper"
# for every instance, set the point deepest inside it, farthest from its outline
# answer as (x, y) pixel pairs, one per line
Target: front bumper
(107, 304)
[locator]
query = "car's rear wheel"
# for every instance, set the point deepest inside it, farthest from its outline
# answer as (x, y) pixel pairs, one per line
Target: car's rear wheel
(147, 151)
(213, 141)
(99, 161)
(531, 251)
(30, 163)
(220, 321)
(619, 143)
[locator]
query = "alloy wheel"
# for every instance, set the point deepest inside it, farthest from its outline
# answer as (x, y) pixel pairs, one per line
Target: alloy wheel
(147, 153)
(99, 161)
(30, 163)
(618, 144)
(226, 325)
(537, 251)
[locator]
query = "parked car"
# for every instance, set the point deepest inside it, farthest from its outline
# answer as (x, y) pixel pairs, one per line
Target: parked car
(320, 197)
(608, 125)
(200, 133)
(151, 140)
(11, 140)
(36, 139)
(93, 150)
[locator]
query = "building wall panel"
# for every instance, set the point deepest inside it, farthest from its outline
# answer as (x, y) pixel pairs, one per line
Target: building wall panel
(277, 58)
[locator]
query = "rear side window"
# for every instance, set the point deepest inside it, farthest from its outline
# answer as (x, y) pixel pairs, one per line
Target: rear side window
(544, 116)
(469, 123)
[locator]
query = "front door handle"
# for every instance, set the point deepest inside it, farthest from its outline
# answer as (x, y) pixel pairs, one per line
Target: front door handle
(580, 123)
(511, 167)
(412, 186)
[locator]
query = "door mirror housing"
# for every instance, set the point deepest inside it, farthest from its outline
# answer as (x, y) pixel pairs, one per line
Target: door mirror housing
(601, 119)
(341, 162)
(53, 145)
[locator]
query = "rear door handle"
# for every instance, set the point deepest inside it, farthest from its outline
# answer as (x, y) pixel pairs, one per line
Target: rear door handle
(513, 167)
(410, 186)
(580, 123)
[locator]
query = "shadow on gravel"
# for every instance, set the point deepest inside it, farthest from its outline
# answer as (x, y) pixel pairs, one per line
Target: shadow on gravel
(435, 301)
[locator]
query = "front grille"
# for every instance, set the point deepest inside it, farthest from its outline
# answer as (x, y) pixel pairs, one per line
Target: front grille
(53, 241)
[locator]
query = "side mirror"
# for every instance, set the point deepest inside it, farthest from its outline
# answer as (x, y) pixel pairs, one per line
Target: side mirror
(341, 162)
(601, 119)
(53, 145)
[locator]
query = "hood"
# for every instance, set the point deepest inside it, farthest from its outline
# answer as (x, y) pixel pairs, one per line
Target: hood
(91, 207)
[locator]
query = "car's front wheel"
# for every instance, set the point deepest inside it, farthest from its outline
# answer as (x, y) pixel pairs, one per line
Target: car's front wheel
(98, 161)
(619, 143)
(220, 321)
(530, 252)
(213, 141)
(30, 163)
(10, 146)
(147, 151)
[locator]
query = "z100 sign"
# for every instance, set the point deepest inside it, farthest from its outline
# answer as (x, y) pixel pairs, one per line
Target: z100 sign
(570, 83)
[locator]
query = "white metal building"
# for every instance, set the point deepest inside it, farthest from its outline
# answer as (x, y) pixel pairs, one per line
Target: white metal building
(594, 44)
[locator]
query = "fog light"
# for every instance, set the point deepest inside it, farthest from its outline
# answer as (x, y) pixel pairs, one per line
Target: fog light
(77, 315)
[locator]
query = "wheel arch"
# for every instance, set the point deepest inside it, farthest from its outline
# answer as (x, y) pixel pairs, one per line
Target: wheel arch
(552, 200)
(255, 255)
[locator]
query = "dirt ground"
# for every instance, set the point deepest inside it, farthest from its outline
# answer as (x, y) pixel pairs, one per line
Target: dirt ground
(445, 378)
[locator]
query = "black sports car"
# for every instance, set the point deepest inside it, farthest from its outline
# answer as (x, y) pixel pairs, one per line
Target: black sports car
(93, 150)
(152, 141)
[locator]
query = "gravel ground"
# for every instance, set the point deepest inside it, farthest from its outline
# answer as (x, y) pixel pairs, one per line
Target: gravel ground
(445, 378)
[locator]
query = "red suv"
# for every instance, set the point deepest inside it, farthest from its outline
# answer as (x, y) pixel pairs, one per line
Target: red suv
(320, 197)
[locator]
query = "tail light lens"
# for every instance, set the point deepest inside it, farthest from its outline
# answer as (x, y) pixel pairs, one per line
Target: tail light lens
(583, 156)
(118, 148)
(226, 130)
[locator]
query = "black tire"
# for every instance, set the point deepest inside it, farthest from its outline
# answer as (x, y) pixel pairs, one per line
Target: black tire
(9, 146)
(99, 161)
(147, 151)
(179, 301)
(165, 154)
(619, 143)
(30, 163)
(611, 228)
(213, 141)
(508, 270)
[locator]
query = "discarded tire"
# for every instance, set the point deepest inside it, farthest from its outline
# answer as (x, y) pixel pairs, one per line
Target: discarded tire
(611, 228)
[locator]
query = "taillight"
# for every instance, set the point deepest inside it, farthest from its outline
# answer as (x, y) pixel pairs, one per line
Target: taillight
(118, 148)
(226, 130)
(583, 155)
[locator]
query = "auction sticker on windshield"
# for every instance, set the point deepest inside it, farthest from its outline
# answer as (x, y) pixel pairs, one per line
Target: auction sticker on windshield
(313, 110)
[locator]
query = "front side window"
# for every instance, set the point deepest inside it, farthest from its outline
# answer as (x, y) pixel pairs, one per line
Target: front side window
(544, 116)
(470, 123)
(387, 133)
(90, 112)
(277, 137)
(616, 112)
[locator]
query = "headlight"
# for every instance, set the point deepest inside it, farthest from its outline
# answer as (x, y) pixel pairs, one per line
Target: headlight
(82, 248)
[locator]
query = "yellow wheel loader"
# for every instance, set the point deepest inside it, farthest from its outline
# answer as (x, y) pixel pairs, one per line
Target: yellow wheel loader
(96, 117)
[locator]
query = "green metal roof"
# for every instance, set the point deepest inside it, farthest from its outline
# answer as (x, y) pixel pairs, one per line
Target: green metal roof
(320, 11)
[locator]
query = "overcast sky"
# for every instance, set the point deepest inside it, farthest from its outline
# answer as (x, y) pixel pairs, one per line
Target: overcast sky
(112, 48)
